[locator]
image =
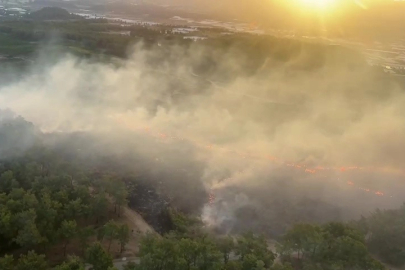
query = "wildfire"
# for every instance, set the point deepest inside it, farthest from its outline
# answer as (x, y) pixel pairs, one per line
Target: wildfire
(311, 170)
(211, 197)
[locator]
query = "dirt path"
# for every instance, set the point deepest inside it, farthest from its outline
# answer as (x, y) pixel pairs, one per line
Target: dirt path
(138, 228)
(137, 221)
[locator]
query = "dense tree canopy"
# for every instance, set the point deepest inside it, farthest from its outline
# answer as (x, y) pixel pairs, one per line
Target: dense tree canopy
(332, 244)
(305, 246)
(48, 200)
(385, 230)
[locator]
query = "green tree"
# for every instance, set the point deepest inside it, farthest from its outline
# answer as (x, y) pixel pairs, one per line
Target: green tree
(249, 244)
(32, 261)
(189, 249)
(182, 223)
(302, 239)
(110, 232)
(286, 266)
(343, 246)
(131, 266)
(74, 209)
(226, 245)
(62, 196)
(310, 265)
(99, 206)
(158, 253)
(334, 246)
(233, 265)
(20, 200)
(210, 256)
(123, 234)
(82, 192)
(8, 182)
(98, 257)
(7, 262)
(28, 234)
(184, 254)
(84, 235)
(48, 214)
(120, 194)
(250, 262)
(72, 263)
(6, 223)
(67, 231)
(386, 235)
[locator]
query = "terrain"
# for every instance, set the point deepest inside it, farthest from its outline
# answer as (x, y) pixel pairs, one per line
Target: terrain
(194, 146)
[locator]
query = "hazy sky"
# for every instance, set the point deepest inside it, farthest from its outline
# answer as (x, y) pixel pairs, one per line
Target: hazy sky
(370, 18)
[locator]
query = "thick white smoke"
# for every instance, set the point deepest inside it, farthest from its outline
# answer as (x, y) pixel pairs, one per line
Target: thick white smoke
(249, 129)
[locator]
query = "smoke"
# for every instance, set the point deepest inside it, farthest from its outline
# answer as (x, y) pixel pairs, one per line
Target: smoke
(275, 128)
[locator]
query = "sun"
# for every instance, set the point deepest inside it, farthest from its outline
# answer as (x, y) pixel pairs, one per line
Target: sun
(318, 5)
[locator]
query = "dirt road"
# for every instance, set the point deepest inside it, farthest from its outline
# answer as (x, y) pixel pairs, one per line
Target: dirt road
(137, 221)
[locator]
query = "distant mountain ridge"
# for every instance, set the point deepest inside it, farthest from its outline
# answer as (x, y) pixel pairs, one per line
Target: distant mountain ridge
(52, 13)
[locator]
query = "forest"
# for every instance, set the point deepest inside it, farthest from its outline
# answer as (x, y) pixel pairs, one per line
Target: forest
(58, 213)
(102, 36)
(62, 195)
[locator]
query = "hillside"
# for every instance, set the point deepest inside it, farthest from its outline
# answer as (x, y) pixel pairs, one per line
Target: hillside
(234, 152)
(52, 13)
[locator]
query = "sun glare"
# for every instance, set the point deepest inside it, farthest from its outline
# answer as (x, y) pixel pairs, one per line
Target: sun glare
(320, 5)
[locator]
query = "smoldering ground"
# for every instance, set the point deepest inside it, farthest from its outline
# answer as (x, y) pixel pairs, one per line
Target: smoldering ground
(276, 131)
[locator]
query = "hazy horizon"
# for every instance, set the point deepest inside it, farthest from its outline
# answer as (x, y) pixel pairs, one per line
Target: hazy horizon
(363, 19)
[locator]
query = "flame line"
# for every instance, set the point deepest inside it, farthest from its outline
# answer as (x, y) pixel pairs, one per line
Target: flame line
(301, 167)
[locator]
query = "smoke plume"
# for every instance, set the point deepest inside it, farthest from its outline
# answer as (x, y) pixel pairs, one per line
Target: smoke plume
(271, 134)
